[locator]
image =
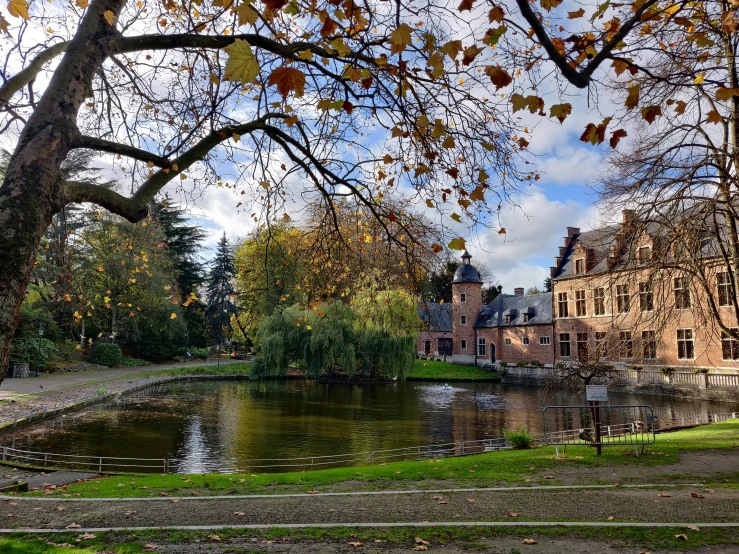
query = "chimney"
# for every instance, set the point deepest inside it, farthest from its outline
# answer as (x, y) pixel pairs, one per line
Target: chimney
(627, 216)
(562, 251)
(572, 231)
(518, 291)
(553, 272)
(557, 261)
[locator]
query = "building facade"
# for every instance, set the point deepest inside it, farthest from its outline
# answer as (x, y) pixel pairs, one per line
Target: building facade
(603, 305)
(512, 328)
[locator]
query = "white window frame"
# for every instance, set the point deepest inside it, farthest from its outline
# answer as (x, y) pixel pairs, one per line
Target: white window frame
(481, 346)
(545, 340)
(525, 341)
(507, 342)
(568, 342)
(686, 340)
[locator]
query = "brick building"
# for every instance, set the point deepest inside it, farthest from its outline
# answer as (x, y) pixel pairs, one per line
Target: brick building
(512, 328)
(608, 301)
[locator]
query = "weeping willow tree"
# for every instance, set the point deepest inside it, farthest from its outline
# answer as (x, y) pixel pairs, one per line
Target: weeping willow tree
(333, 338)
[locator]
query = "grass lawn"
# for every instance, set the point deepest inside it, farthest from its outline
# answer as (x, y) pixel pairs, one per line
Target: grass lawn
(483, 470)
(338, 539)
(242, 368)
(445, 371)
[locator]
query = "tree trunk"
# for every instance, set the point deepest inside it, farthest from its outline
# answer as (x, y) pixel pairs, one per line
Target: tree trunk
(33, 189)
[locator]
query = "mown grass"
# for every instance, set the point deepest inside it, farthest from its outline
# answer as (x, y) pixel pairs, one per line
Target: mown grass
(339, 537)
(494, 468)
(237, 369)
(445, 371)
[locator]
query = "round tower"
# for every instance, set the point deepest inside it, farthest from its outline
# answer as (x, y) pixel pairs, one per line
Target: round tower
(466, 306)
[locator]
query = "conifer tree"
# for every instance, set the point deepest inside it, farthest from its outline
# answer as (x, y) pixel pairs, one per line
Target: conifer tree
(220, 291)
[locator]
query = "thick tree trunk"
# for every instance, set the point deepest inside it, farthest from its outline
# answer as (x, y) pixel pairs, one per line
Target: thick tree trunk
(33, 189)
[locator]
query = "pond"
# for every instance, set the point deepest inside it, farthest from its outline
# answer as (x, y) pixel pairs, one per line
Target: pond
(218, 426)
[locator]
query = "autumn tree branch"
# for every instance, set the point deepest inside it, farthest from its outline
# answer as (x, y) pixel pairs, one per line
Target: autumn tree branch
(28, 74)
(102, 145)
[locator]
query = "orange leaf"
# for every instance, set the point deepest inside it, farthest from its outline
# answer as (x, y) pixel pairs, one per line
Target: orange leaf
(616, 137)
(496, 15)
(288, 79)
(714, 117)
(498, 76)
(632, 100)
(466, 5)
(575, 15)
(560, 111)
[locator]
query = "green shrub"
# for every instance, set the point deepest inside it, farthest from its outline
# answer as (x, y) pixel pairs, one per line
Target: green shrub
(133, 362)
(503, 364)
(31, 350)
(522, 363)
(105, 353)
(519, 438)
(196, 353)
(667, 370)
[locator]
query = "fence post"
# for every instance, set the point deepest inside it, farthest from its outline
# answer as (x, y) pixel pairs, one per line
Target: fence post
(5, 453)
(100, 465)
(46, 458)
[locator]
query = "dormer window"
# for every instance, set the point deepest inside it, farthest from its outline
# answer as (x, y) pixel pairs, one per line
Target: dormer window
(526, 317)
(508, 318)
(644, 254)
(579, 266)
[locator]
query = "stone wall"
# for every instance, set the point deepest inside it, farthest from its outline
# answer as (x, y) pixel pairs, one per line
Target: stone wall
(718, 387)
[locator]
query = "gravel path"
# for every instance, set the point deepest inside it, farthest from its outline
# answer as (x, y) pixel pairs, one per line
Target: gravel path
(645, 505)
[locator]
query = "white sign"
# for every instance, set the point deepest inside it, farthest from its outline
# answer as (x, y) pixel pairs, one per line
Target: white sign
(596, 393)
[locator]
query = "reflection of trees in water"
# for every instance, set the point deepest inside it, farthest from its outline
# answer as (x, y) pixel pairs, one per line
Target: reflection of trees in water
(220, 420)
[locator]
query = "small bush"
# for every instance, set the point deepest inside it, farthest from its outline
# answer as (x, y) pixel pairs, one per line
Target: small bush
(667, 370)
(103, 353)
(503, 364)
(537, 363)
(522, 363)
(196, 353)
(519, 438)
(127, 361)
(636, 367)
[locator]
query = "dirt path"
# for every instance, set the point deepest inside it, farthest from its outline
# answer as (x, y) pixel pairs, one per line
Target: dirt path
(620, 504)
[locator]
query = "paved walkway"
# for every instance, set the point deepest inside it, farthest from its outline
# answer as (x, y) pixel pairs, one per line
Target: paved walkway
(615, 506)
(55, 382)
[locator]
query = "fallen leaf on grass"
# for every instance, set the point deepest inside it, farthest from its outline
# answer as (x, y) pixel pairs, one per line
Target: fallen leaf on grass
(548, 477)
(214, 538)
(696, 495)
(312, 492)
(331, 511)
(528, 480)
(86, 536)
(130, 512)
(267, 542)
(610, 518)
(532, 468)
(529, 541)
(512, 514)
(59, 508)
(420, 547)
(436, 497)
(239, 513)
(419, 540)
(175, 500)
(151, 547)
(471, 500)
(664, 495)
(694, 528)
(443, 502)
(472, 471)
(379, 540)
(73, 526)
(356, 544)
(682, 536)
(709, 491)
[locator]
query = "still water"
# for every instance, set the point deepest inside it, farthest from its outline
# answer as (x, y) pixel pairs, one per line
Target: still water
(219, 425)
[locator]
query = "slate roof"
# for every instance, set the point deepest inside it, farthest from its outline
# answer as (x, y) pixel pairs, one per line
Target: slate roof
(467, 273)
(437, 317)
(538, 306)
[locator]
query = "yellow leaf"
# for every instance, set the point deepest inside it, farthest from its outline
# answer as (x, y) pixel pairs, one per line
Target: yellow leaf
(173, 316)
(264, 185)
(109, 16)
(82, 3)
(560, 111)
(101, 269)
(478, 194)
(236, 137)
(699, 79)
(106, 299)
(400, 38)
(429, 203)
(308, 327)
(247, 14)
(632, 100)
(18, 8)
(457, 244)
(455, 217)
(242, 66)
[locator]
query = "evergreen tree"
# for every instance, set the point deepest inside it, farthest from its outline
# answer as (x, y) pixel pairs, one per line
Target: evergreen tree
(184, 243)
(220, 291)
(548, 284)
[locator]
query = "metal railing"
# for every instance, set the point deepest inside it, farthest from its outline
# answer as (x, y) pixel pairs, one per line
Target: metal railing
(108, 464)
(606, 425)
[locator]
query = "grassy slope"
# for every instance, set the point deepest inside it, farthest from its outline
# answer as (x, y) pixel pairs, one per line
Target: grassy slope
(506, 467)
(428, 369)
(227, 369)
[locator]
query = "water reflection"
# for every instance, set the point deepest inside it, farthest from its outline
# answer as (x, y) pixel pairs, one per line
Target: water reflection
(217, 425)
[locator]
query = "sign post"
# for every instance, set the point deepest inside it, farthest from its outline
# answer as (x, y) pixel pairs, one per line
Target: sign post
(595, 394)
